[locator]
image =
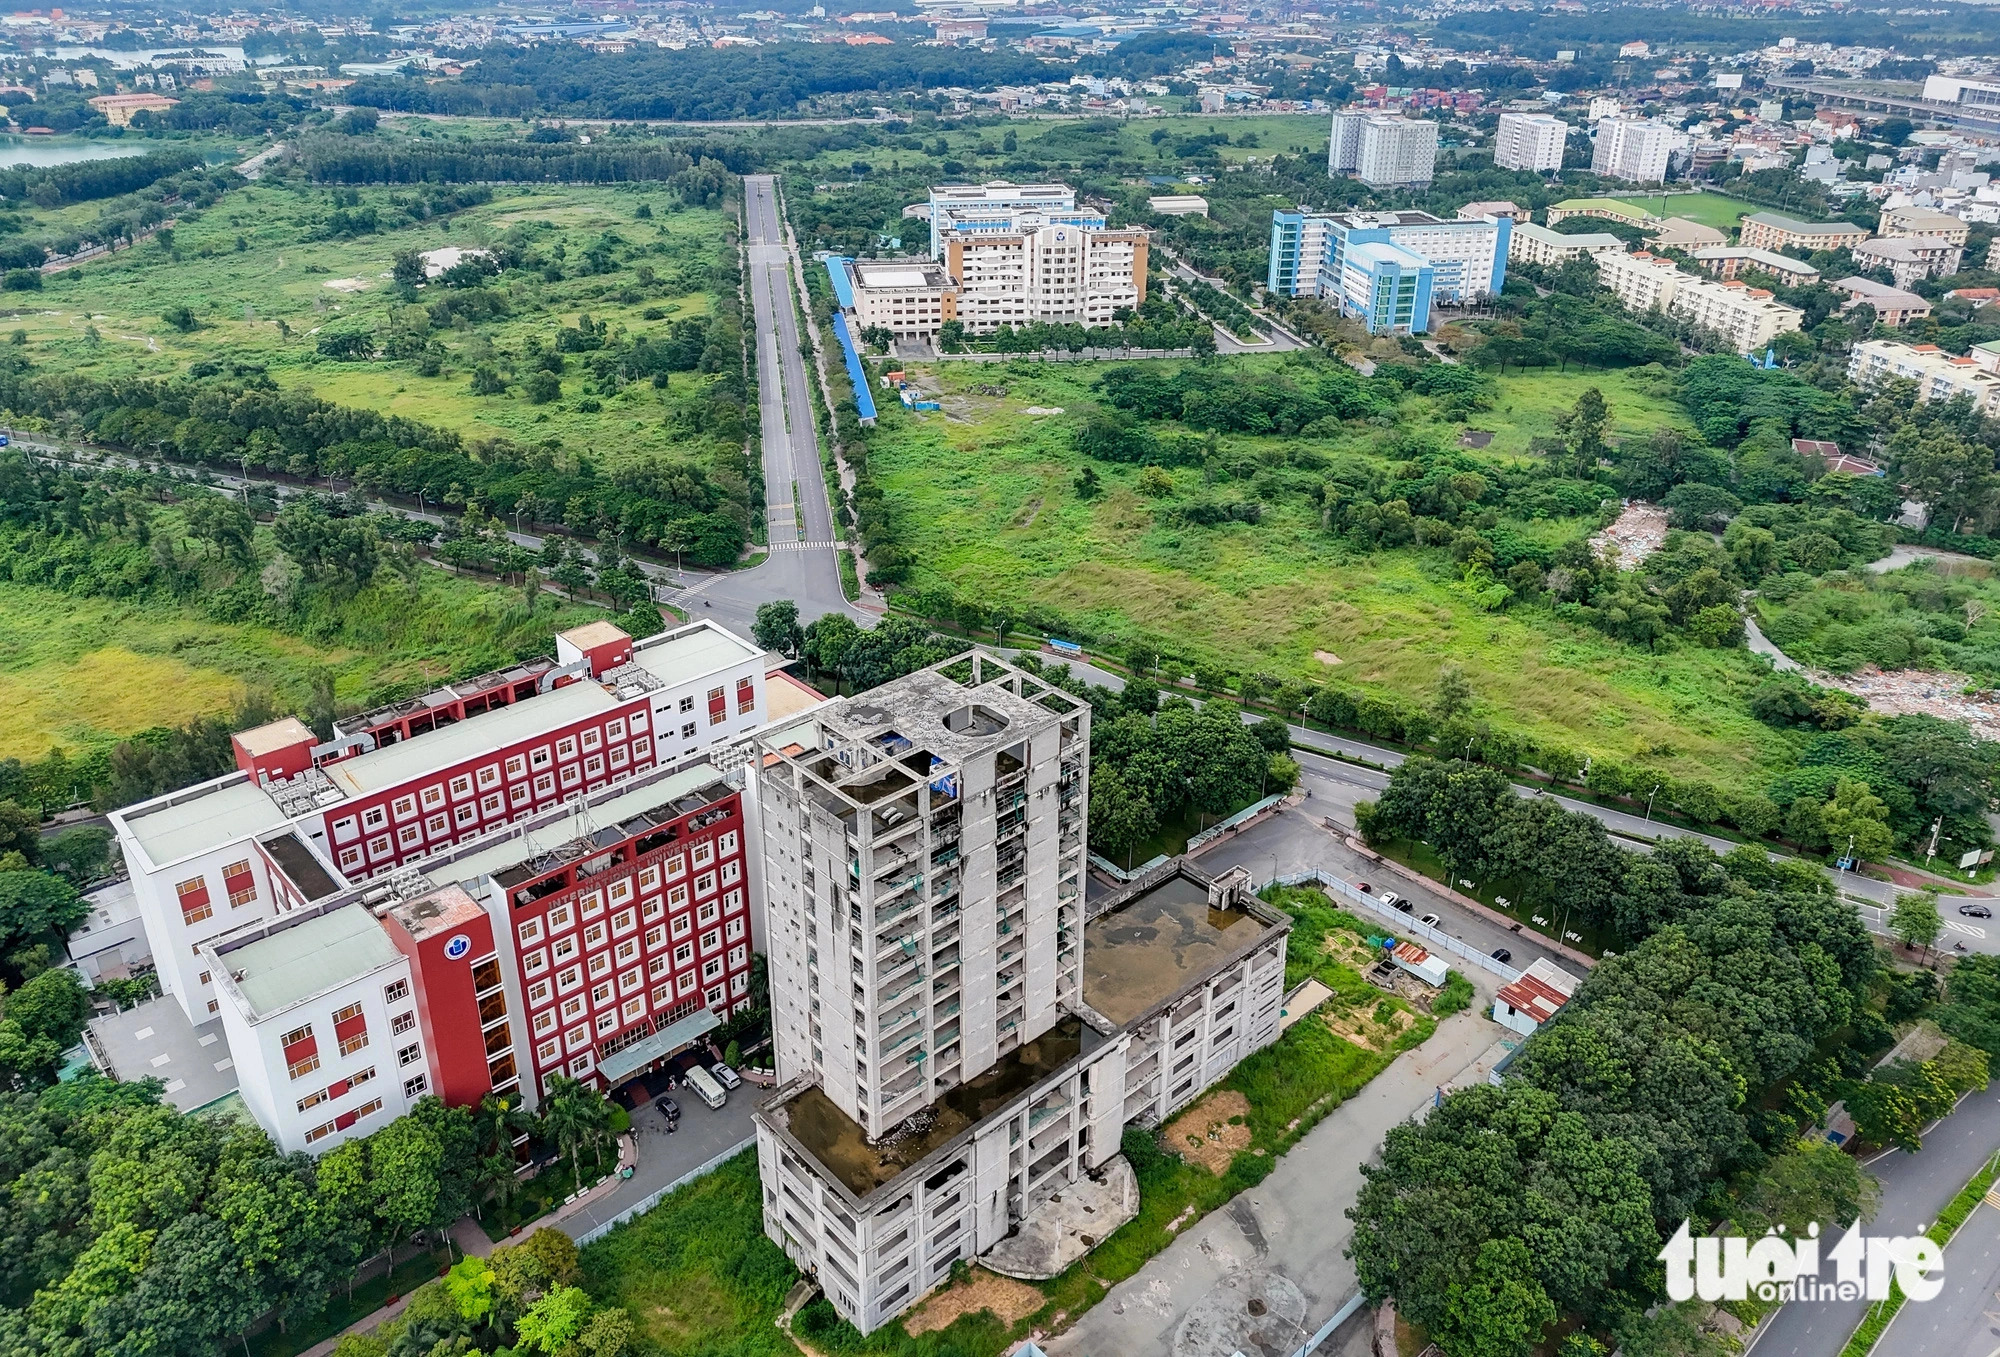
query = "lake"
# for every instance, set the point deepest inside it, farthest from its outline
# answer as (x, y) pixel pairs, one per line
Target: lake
(42, 154)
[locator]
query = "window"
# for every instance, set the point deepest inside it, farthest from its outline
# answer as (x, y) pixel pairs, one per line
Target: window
(627, 949)
(531, 932)
(656, 936)
(718, 706)
(375, 817)
(571, 775)
(593, 936)
(631, 980)
(623, 921)
(687, 704)
(733, 929)
(516, 765)
(194, 900)
(633, 1009)
(599, 963)
(688, 982)
(408, 836)
(518, 794)
(299, 1069)
(465, 814)
(656, 966)
(566, 747)
(343, 829)
(592, 738)
(296, 1035)
(590, 905)
(715, 996)
(726, 844)
(204, 977)
(565, 948)
(461, 785)
(351, 1011)
(559, 918)
(240, 885)
(572, 1007)
(437, 826)
(349, 1045)
(214, 1005)
(732, 901)
(414, 1088)
(544, 784)
(433, 797)
(711, 968)
(539, 757)
(402, 1023)
(732, 871)
(410, 1054)
(534, 962)
(600, 993)
(735, 956)
(546, 1052)
(707, 912)
(607, 1022)
(349, 858)
(687, 731)
(617, 756)
(676, 866)
(683, 954)
(319, 1133)
(491, 805)
(568, 978)
(704, 853)
(663, 995)
(705, 884)
(356, 1080)
(682, 925)
(312, 1100)
(649, 878)
(594, 765)
(538, 993)
(545, 1021)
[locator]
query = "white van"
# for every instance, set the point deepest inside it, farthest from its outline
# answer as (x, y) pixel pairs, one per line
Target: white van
(703, 1083)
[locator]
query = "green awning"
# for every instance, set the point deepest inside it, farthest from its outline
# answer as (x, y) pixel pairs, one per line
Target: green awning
(622, 1065)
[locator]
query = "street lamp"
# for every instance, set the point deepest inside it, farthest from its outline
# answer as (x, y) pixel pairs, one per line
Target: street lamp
(1649, 802)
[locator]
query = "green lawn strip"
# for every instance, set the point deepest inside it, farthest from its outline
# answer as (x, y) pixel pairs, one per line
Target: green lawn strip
(850, 576)
(1954, 1215)
(545, 1192)
(343, 1308)
(698, 1275)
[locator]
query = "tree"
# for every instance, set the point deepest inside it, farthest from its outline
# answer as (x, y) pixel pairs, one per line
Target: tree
(1582, 428)
(1915, 919)
(555, 1321)
(470, 1286)
(1499, 1310)
(36, 905)
(574, 1116)
(1453, 696)
(1121, 815)
(1856, 816)
(777, 627)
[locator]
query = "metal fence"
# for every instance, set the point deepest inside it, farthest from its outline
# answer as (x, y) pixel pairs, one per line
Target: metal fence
(653, 1199)
(1403, 923)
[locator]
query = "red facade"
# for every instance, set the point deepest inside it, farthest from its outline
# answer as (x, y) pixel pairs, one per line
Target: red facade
(648, 931)
(378, 831)
(458, 985)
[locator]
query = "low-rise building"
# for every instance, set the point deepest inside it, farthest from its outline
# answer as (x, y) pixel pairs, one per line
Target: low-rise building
(1938, 375)
(1532, 244)
(1747, 317)
(1178, 205)
(1678, 233)
(1610, 209)
(1910, 223)
(907, 297)
(1893, 306)
(1642, 281)
(1909, 259)
(1770, 231)
(119, 109)
(1525, 1004)
(1727, 261)
(1498, 208)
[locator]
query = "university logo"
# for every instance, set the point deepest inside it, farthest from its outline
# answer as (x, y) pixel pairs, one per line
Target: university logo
(457, 946)
(1731, 1267)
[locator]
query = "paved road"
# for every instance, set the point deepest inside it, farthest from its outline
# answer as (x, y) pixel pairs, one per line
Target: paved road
(1915, 1189)
(1965, 1318)
(1278, 1246)
(802, 565)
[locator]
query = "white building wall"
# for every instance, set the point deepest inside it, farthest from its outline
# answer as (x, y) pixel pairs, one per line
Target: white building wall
(1529, 141)
(1632, 149)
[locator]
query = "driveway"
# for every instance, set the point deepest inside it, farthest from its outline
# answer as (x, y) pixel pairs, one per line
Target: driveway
(1264, 1273)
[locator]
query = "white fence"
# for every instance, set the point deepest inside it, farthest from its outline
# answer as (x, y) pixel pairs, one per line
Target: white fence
(1347, 893)
(653, 1199)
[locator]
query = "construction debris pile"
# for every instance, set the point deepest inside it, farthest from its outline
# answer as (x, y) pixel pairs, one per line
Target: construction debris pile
(1639, 531)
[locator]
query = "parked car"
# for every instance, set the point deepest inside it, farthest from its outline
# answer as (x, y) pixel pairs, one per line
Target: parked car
(1430, 921)
(724, 1075)
(1975, 911)
(1364, 888)
(668, 1107)
(1395, 901)
(1502, 955)
(703, 1083)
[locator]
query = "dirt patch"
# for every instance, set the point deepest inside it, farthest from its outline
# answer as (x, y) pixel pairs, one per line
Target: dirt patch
(1326, 657)
(1007, 1300)
(1033, 511)
(1212, 1131)
(1358, 1025)
(1474, 438)
(346, 284)
(1903, 692)
(1638, 531)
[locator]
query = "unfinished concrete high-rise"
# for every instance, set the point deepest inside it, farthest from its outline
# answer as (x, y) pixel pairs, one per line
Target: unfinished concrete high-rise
(952, 1064)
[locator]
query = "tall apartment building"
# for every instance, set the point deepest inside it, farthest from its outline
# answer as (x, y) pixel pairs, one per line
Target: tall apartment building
(1771, 231)
(1632, 149)
(1382, 150)
(1529, 141)
(512, 766)
(1001, 208)
(1046, 271)
(1748, 317)
(1388, 267)
(1938, 375)
(957, 1040)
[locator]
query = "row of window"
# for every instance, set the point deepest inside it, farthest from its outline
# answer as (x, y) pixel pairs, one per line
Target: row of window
(611, 1007)
(549, 1054)
(589, 904)
(238, 884)
(599, 960)
(343, 1121)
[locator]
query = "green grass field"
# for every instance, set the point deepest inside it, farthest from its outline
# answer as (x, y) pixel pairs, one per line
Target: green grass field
(83, 673)
(1709, 209)
(988, 505)
(263, 289)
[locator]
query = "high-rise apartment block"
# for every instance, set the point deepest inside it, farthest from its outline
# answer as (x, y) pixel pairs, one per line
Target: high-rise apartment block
(1382, 150)
(958, 1039)
(1529, 141)
(1387, 268)
(513, 877)
(1633, 149)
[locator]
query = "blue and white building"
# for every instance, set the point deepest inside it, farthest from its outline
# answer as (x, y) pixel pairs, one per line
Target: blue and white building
(1386, 268)
(970, 211)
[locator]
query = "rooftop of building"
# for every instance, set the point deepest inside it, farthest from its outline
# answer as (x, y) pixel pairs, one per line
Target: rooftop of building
(842, 1148)
(1681, 231)
(1578, 240)
(593, 634)
(156, 1040)
(284, 733)
(1542, 989)
(999, 190)
(1905, 248)
(1924, 216)
(1588, 205)
(201, 818)
(433, 912)
(301, 866)
(786, 696)
(901, 273)
(539, 846)
(1810, 228)
(1769, 259)
(1878, 294)
(692, 652)
(406, 760)
(1150, 946)
(290, 962)
(446, 696)
(1386, 252)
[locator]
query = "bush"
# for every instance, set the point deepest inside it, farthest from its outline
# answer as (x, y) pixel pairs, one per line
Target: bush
(1456, 996)
(22, 280)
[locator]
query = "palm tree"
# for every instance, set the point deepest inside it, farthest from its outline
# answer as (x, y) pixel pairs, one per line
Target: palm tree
(575, 1116)
(495, 1177)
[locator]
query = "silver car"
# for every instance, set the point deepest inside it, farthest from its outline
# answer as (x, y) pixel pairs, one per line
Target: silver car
(725, 1076)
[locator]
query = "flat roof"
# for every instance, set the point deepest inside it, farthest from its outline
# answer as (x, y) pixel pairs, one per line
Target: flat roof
(178, 828)
(693, 652)
(1139, 954)
(899, 275)
(155, 1040)
(840, 1145)
(308, 958)
(1816, 228)
(283, 733)
(786, 696)
(550, 834)
(467, 739)
(593, 634)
